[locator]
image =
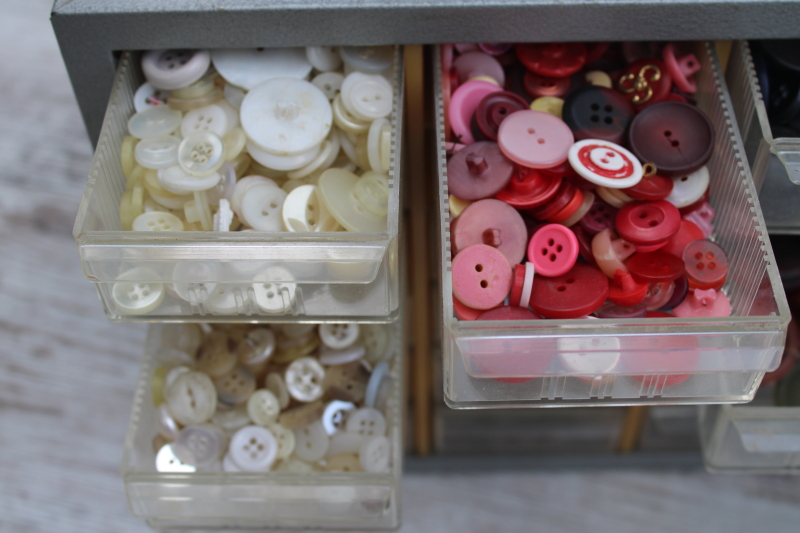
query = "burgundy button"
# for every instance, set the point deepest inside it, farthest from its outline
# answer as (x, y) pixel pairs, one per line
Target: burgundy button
(474, 64)
(515, 76)
(537, 86)
(528, 188)
(493, 109)
(648, 223)
(651, 188)
(655, 267)
(517, 285)
(559, 201)
(595, 51)
(581, 183)
(577, 293)
(584, 244)
(625, 291)
(612, 310)
(688, 232)
(493, 223)
(478, 171)
(599, 217)
(574, 204)
(594, 112)
(645, 82)
(658, 314)
(706, 265)
(555, 60)
(678, 138)
(464, 312)
(509, 312)
(678, 295)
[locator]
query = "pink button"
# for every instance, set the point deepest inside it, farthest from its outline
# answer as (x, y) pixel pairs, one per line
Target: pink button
(509, 312)
(493, 223)
(478, 171)
(464, 312)
(553, 250)
(703, 217)
(474, 64)
(610, 252)
(463, 104)
(535, 139)
(681, 69)
(704, 303)
(481, 277)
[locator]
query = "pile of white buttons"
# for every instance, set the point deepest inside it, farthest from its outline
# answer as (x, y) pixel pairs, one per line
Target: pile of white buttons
(228, 140)
(296, 397)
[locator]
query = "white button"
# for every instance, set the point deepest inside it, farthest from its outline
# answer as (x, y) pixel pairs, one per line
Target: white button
(286, 116)
(177, 180)
(372, 191)
(157, 152)
(228, 465)
(285, 439)
(276, 385)
(148, 96)
(344, 462)
(133, 296)
(210, 118)
(589, 356)
(228, 299)
(297, 330)
(192, 398)
(257, 346)
(195, 282)
(304, 379)
(214, 358)
(156, 121)
(376, 144)
(223, 217)
(324, 154)
(165, 423)
(302, 211)
(336, 189)
(295, 466)
(375, 454)
(344, 442)
(157, 221)
(345, 120)
(342, 356)
(173, 69)
(367, 422)
(198, 210)
(323, 58)
(206, 85)
(329, 83)
(223, 189)
(261, 208)
(376, 340)
(311, 442)
(201, 154)
(346, 382)
(234, 142)
(367, 97)
(277, 294)
(232, 114)
(231, 420)
(335, 415)
(247, 68)
(605, 163)
(173, 374)
(369, 59)
(200, 445)
(234, 95)
(689, 188)
(236, 386)
(282, 162)
(527, 285)
(179, 343)
(168, 462)
(253, 449)
(263, 407)
(375, 383)
(339, 335)
(241, 188)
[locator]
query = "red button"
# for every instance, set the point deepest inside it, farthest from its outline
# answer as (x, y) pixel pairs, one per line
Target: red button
(528, 188)
(652, 188)
(478, 171)
(538, 86)
(553, 250)
(577, 293)
(658, 314)
(611, 310)
(687, 232)
(681, 68)
(481, 277)
(658, 295)
(655, 267)
(595, 51)
(493, 109)
(625, 291)
(516, 287)
(562, 197)
(599, 217)
(645, 82)
(509, 312)
(464, 312)
(648, 223)
(555, 60)
(584, 244)
(706, 265)
(560, 171)
(493, 223)
(574, 204)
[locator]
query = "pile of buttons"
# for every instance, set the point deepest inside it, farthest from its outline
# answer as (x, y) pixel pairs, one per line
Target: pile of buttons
(577, 181)
(296, 398)
(229, 140)
(777, 64)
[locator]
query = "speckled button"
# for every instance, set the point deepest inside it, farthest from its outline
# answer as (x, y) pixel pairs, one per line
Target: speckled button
(575, 294)
(648, 223)
(535, 139)
(493, 223)
(553, 250)
(605, 163)
(463, 103)
(493, 109)
(481, 277)
(473, 64)
(478, 171)
(645, 82)
(594, 112)
(556, 60)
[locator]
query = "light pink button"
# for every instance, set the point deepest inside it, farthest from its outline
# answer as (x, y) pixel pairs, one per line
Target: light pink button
(481, 277)
(474, 64)
(535, 139)
(463, 104)
(700, 303)
(553, 250)
(494, 223)
(703, 218)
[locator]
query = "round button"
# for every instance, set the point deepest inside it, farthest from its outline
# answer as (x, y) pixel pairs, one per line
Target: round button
(651, 188)
(241, 188)
(201, 153)
(549, 104)
(540, 86)
(625, 291)
(570, 209)
(212, 118)
(256, 347)
(473, 64)
(323, 58)
(704, 303)
(335, 414)
(614, 311)
(177, 181)
(493, 109)
(678, 138)
(580, 212)
(463, 103)
(147, 96)
(493, 223)
(594, 112)
(168, 462)
(478, 171)
(556, 60)
(366, 422)
(132, 296)
(687, 233)
(509, 312)
(346, 382)
(605, 163)
(157, 152)
(339, 335)
(200, 445)
(329, 83)
(516, 285)
(535, 139)
(275, 384)
(276, 295)
(706, 264)
(157, 221)
(648, 223)
(481, 276)
(689, 188)
(156, 121)
(553, 250)
(367, 96)
(304, 379)
(598, 78)
(261, 208)
(575, 294)
(645, 82)
(336, 190)
(375, 454)
(263, 407)
(528, 188)
(368, 59)
(191, 398)
(302, 211)
(566, 192)
(464, 312)
(678, 294)
(681, 68)
(247, 68)
(253, 449)
(655, 267)
(236, 386)
(702, 218)
(610, 253)
(173, 69)
(600, 216)
(285, 439)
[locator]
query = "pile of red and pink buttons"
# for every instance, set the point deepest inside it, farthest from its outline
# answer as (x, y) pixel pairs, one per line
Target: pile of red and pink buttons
(578, 186)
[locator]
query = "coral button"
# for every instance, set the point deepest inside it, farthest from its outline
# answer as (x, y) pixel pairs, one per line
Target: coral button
(535, 139)
(481, 277)
(706, 264)
(553, 250)
(529, 188)
(464, 312)
(478, 171)
(577, 293)
(648, 223)
(493, 223)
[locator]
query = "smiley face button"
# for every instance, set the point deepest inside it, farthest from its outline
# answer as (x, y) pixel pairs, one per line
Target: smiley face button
(605, 163)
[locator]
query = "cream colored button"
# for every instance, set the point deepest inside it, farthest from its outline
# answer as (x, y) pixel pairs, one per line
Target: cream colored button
(549, 104)
(166, 424)
(336, 189)
(172, 69)
(302, 415)
(244, 185)
(201, 153)
(131, 206)
(234, 95)
(256, 347)
(263, 407)
(329, 83)
(323, 58)
(367, 422)
(342, 356)
(346, 382)
(367, 97)
(148, 96)
(157, 152)
(156, 121)
(335, 415)
(372, 191)
(369, 59)
(178, 181)
(339, 335)
(375, 454)
(311, 442)
(304, 378)
(168, 462)
(247, 68)
(191, 398)
(253, 449)
(376, 339)
(228, 299)
(277, 294)
(344, 462)
(214, 96)
(302, 211)
(223, 217)
(323, 155)
(297, 330)
(236, 386)
(195, 282)
(214, 356)
(223, 189)
(599, 78)
(198, 210)
(202, 87)
(282, 162)
(234, 142)
(349, 150)
(612, 199)
(287, 355)
(127, 154)
(346, 120)
(211, 118)
(376, 144)
(231, 420)
(134, 294)
(173, 374)
(344, 442)
(285, 439)
(200, 445)
(228, 465)
(295, 466)
(157, 221)
(261, 208)
(274, 383)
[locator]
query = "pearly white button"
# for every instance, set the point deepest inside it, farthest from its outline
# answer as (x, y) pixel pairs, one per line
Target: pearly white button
(179, 343)
(263, 407)
(228, 299)
(376, 339)
(323, 58)
(244, 185)
(589, 356)
(689, 188)
(375, 454)
(133, 296)
(342, 356)
(228, 465)
(277, 386)
(368, 59)
(344, 442)
(379, 145)
(311, 442)
(214, 356)
(339, 335)
(329, 83)
(246, 68)
(168, 462)
(157, 152)
(336, 189)
(282, 162)
(166, 424)
(204, 86)
(235, 387)
(276, 295)
(224, 188)
(253, 449)
(375, 383)
(191, 398)
(367, 97)
(285, 439)
(302, 211)
(345, 120)
(209, 118)
(223, 217)
(198, 210)
(324, 155)
(234, 95)
(231, 420)
(304, 379)
(372, 191)
(173, 373)
(295, 466)
(195, 282)
(367, 422)
(297, 330)
(234, 142)
(256, 347)
(148, 96)
(156, 121)
(346, 462)
(173, 69)
(261, 208)
(200, 445)
(177, 180)
(201, 153)
(335, 415)
(286, 116)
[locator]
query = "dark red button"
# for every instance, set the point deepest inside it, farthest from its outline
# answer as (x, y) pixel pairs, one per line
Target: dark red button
(464, 312)
(599, 217)
(648, 223)
(581, 183)
(493, 109)
(515, 76)
(509, 312)
(595, 51)
(645, 82)
(706, 265)
(537, 86)
(559, 171)
(593, 112)
(573, 205)
(655, 267)
(625, 291)
(517, 284)
(559, 201)
(678, 138)
(478, 171)
(688, 232)
(493, 223)
(612, 310)
(659, 314)
(651, 188)
(577, 293)
(584, 244)
(678, 295)
(555, 60)
(528, 188)
(658, 294)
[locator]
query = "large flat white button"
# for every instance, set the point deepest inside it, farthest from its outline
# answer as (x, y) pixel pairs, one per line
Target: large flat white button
(173, 69)
(261, 208)
(246, 68)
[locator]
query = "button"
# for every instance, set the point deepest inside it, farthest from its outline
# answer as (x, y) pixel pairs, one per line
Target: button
(366, 422)
(214, 356)
(610, 252)
(157, 152)
(614, 311)
(702, 218)
(645, 82)
(687, 232)
(567, 211)
(464, 312)
(247, 68)
(594, 112)
(493, 223)
(584, 244)
(473, 64)
(658, 266)
(236, 386)
(261, 208)
(233, 143)
(481, 276)
(651, 188)
(339, 335)
(706, 264)
(304, 378)
(681, 68)
(648, 223)
(605, 163)
(311, 442)
(335, 414)
(191, 398)
(223, 217)
(302, 211)
(539, 86)
(678, 138)
(212, 118)
(566, 192)
(148, 96)
(156, 121)
(478, 171)
(168, 462)
(535, 139)
(330, 83)
(549, 104)
(233, 95)
(528, 188)
(509, 312)
(624, 290)
(695, 206)
(178, 181)
(589, 357)
(704, 303)
(253, 449)
(295, 466)
(341, 356)
(377, 381)
(200, 445)
(133, 295)
(323, 58)
(263, 407)
(577, 293)
(379, 145)
(375, 454)
(463, 104)
(689, 188)
(678, 294)
(610, 198)
(368, 59)
(372, 192)
(275, 384)
(241, 188)
(367, 97)
(231, 420)
(301, 415)
(598, 78)
(200, 154)
(553, 250)
(165, 423)
(347, 383)
(600, 216)
(580, 212)
(377, 341)
(344, 462)
(286, 440)
(658, 294)
(556, 60)
(493, 109)
(516, 285)
(173, 69)
(343, 442)
(336, 189)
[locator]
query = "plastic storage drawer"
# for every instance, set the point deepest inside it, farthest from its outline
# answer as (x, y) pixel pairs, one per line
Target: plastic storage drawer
(218, 500)
(490, 364)
(334, 275)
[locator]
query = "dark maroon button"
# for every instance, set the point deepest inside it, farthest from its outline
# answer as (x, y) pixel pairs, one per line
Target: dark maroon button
(678, 295)
(478, 171)
(655, 267)
(538, 86)
(509, 312)
(678, 138)
(648, 223)
(528, 188)
(493, 223)
(581, 183)
(651, 188)
(493, 109)
(515, 76)
(562, 197)
(599, 217)
(554, 60)
(595, 51)
(645, 82)
(612, 310)
(579, 292)
(593, 112)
